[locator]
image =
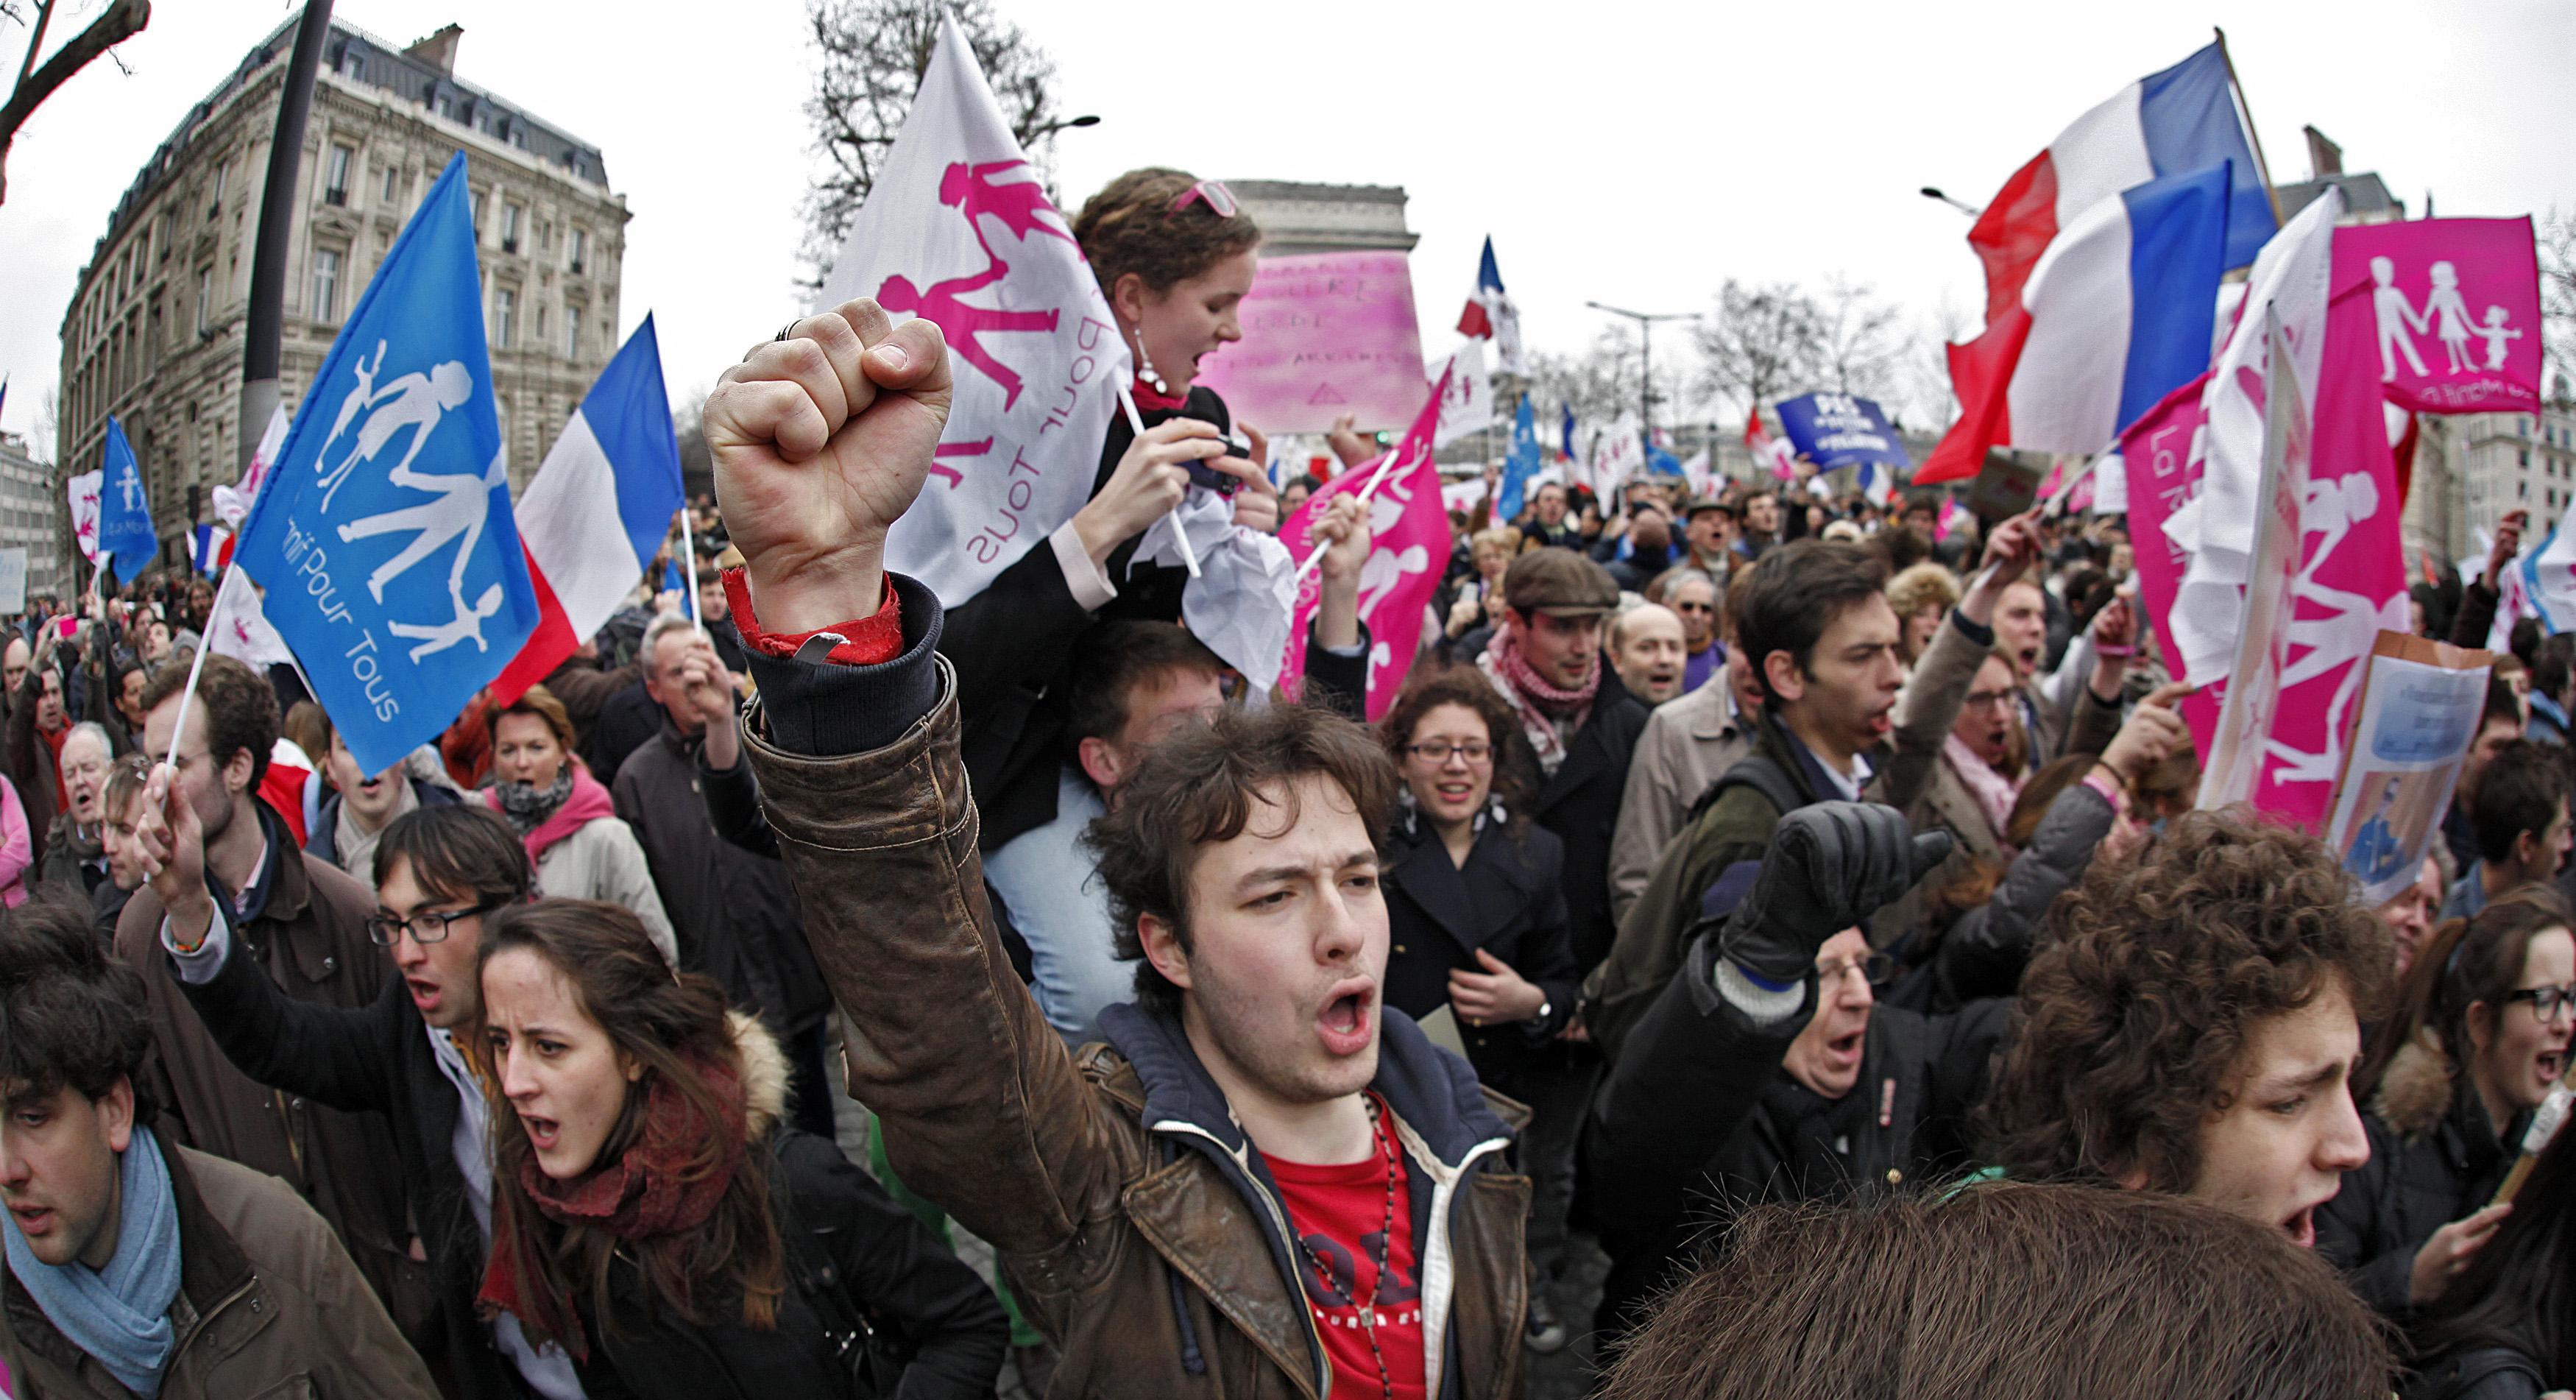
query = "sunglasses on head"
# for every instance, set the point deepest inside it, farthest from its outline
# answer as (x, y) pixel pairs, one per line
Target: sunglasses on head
(1220, 200)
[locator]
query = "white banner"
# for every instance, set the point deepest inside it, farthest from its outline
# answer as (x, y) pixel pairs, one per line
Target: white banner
(83, 491)
(1467, 405)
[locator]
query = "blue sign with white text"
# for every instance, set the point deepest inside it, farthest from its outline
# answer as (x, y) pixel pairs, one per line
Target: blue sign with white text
(1840, 430)
(383, 535)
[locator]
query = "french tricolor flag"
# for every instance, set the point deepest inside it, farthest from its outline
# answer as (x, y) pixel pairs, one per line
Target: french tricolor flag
(596, 513)
(2182, 119)
(2117, 314)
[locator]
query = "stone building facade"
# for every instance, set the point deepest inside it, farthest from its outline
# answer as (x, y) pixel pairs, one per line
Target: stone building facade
(154, 333)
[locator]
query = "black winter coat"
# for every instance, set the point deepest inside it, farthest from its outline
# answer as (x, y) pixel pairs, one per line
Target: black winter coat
(376, 1057)
(2434, 1158)
(1013, 647)
(1507, 900)
(1697, 1123)
(842, 1232)
(1580, 803)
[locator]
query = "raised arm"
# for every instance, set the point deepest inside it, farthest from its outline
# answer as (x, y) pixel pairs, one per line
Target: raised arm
(1930, 702)
(820, 443)
(338, 1057)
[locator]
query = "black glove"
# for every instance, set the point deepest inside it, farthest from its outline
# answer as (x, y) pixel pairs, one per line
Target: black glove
(1830, 867)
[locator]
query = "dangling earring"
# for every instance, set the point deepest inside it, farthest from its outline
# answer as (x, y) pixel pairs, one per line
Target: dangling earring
(1145, 368)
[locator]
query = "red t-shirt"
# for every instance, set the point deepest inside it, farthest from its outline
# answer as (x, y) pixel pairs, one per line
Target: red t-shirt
(1338, 1212)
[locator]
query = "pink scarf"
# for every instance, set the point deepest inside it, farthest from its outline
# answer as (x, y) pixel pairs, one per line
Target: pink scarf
(588, 803)
(1539, 702)
(1994, 792)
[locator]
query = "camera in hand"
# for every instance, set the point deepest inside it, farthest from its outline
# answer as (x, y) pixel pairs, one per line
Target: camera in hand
(1203, 474)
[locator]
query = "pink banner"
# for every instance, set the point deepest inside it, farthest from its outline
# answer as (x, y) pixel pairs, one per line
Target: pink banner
(1324, 334)
(2453, 310)
(2352, 575)
(1409, 547)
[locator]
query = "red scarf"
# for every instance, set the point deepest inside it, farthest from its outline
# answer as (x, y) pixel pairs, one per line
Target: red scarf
(639, 1196)
(1152, 400)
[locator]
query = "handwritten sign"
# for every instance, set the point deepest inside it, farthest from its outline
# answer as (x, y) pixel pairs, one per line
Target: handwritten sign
(13, 579)
(1324, 334)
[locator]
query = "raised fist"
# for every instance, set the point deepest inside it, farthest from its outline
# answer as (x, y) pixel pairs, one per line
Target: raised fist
(1830, 867)
(821, 441)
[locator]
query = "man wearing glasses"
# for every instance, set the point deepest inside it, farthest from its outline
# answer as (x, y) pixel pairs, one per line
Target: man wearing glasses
(219, 865)
(439, 871)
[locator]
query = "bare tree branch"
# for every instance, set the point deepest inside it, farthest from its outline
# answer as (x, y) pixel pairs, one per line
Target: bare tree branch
(2557, 232)
(1761, 343)
(873, 53)
(124, 19)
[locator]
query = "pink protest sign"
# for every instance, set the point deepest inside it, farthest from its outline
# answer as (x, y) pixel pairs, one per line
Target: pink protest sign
(1408, 549)
(2454, 309)
(1324, 334)
(2163, 454)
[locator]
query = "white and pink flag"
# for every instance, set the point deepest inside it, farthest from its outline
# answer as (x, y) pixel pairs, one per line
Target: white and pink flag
(958, 230)
(1768, 451)
(2455, 310)
(1408, 550)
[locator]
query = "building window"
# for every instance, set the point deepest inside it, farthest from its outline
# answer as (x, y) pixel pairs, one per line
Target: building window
(505, 315)
(335, 176)
(580, 248)
(474, 206)
(541, 323)
(510, 228)
(205, 298)
(326, 284)
(161, 235)
(393, 176)
(572, 333)
(215, 202)
(447, 106)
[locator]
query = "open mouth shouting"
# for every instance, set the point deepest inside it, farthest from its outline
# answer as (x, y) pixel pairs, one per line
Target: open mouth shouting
(2301, 1226)
(543, 1133)
(1348, 1022)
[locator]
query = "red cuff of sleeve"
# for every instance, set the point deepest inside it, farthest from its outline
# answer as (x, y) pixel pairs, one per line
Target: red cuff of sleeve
(866, 641)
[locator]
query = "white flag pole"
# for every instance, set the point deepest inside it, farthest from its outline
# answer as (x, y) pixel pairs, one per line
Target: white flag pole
(689, 566)
(1136, 425)
(1315, 560)
(196, 668)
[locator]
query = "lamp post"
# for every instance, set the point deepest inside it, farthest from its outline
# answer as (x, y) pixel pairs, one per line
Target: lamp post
(1051, 128)
(1933, 192)
(1645, 354)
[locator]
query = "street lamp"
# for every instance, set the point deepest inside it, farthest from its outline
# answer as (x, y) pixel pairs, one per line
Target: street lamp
(1645, 354)
(1934, 192)
(1051, 128)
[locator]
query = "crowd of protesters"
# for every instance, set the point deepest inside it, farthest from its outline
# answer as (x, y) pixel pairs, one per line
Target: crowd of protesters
(1799, 897)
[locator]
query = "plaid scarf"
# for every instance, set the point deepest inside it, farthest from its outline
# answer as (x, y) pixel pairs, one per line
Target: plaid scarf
(1540, 703)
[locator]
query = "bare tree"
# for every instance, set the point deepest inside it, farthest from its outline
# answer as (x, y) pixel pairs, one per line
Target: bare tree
(688, 426)
(1600, 381)
(2557, 232)
(122, 20)
(1761, 343)
(1862, 341)
(873, 53)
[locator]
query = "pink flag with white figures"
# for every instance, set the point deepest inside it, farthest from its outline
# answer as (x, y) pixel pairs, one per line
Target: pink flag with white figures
(2455, 310)
(1408, 551)
(1767, 450)
(2352, 574)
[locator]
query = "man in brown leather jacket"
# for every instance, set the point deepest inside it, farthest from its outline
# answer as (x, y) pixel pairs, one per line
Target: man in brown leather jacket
(1171, 1206)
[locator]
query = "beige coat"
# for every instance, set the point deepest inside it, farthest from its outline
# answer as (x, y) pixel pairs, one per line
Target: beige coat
(269, 1306)
(602, 860)
(1689, 743)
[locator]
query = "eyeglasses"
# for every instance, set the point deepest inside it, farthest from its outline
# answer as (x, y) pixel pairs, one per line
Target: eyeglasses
(1436, 753)
(426, 927)
(1987, 699)
(2546, 1002)
(1878, 969)
(1220, 200)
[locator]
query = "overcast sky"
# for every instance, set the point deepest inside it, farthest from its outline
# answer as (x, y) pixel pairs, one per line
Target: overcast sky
(1637, 154)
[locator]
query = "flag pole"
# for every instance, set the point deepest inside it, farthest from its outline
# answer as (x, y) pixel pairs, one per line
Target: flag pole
(196, 668)
(2262, 167)
(689, 566)
(1136, 425)
(1315, 560)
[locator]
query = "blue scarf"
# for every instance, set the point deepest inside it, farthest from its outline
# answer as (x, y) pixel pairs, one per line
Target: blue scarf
(119, 1315)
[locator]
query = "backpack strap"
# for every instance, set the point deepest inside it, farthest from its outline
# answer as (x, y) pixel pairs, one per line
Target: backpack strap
(1753, 771)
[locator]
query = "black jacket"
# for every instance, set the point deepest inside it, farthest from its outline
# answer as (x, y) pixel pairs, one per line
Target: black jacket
(2434, 1158)
(1697, 1122)
(2477, 1373)
(1013, 647)
(1581, 805)
(734, 913)
(842, 1231)
(1983, 954)
(1507, 900)
(376, 1057)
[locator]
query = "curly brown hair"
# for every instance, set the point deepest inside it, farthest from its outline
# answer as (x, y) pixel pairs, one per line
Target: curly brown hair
(1130, 226)
(1199, 788)
(1515, 778)
(2152, 974)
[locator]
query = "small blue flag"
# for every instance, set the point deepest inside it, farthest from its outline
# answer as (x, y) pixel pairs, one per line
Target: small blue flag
(126, 538)
(1661, 462)
(1520, 465)
(1568, 430)
(384, 535)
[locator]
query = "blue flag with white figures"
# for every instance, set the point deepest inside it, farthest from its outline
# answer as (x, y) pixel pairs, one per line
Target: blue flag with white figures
(383, 534)
(1520, 465)
(125, 534)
